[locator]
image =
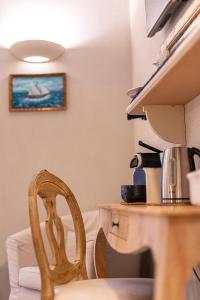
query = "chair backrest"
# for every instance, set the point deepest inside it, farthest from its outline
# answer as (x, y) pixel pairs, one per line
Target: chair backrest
(47, 186)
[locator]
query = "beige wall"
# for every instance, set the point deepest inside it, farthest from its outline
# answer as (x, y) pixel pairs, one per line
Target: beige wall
(89, 145)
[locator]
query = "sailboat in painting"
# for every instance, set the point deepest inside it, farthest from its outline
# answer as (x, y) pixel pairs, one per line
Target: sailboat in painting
(38, 92)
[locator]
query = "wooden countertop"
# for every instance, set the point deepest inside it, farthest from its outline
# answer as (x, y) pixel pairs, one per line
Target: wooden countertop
(160, 210)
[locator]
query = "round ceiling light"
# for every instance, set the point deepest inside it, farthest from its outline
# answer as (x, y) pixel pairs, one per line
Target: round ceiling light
(36, 51)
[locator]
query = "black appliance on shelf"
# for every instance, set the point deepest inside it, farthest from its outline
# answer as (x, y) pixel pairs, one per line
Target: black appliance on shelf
(146, 170)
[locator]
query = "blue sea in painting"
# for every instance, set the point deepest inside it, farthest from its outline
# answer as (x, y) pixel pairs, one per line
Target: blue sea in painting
(54, 99)
(37, 92)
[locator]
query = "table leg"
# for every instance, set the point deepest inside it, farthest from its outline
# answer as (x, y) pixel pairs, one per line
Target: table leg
(175, 254)
(100, 255)
(170, 280)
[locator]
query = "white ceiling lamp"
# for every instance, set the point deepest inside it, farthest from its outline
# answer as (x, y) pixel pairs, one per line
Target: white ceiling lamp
(36, 51)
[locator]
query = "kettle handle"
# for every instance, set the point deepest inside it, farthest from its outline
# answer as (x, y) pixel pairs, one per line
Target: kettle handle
(193, 151)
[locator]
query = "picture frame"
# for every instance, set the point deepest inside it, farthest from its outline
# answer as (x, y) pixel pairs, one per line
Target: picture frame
(37, 92)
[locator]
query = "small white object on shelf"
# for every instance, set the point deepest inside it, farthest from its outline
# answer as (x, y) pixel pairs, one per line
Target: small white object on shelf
(194, 183)
(132, 92)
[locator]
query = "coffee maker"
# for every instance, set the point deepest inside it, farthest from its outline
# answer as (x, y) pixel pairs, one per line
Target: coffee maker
(147, 173)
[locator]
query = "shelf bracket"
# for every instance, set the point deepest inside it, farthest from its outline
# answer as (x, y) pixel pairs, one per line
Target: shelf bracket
(168, 122)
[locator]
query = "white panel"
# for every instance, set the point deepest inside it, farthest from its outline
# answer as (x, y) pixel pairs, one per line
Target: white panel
(168, 122)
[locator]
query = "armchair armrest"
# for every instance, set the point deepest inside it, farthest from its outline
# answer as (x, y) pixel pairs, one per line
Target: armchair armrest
(20, 250)
(20, 253)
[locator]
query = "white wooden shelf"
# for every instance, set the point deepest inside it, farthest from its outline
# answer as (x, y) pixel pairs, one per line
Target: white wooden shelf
(177, 82)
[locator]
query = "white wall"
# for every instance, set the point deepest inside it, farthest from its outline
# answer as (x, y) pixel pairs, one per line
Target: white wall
(89, 146)
(192, 114)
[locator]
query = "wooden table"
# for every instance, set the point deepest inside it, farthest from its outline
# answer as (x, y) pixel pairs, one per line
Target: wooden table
(171, 232)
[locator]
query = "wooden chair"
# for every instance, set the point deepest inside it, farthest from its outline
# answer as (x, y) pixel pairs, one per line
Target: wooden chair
(58, 280)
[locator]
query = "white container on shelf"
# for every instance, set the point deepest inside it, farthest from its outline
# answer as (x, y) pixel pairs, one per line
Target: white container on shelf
(194, 183)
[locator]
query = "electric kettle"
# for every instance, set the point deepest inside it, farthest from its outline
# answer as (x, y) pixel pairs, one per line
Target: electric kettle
(176, 163)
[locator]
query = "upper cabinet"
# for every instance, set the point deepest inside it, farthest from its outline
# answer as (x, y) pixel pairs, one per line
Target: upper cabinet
(178, 80)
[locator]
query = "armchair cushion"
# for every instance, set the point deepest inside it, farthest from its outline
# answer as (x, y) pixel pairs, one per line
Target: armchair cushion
(29, 277)
(21, 257)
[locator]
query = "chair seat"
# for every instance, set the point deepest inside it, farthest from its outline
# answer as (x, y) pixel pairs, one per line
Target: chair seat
(106, 289)
(112, 289)
(103, 289)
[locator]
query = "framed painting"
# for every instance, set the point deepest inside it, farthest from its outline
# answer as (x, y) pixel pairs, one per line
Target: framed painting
(40, 92)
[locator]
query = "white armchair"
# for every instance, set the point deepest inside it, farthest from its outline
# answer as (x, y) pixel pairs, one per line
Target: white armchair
(24, 273)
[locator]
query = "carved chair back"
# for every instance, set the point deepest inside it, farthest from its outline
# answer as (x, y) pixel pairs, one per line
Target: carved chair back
(47, 186)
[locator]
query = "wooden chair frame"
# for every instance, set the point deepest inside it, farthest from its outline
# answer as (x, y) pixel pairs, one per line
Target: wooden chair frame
(47, 186)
